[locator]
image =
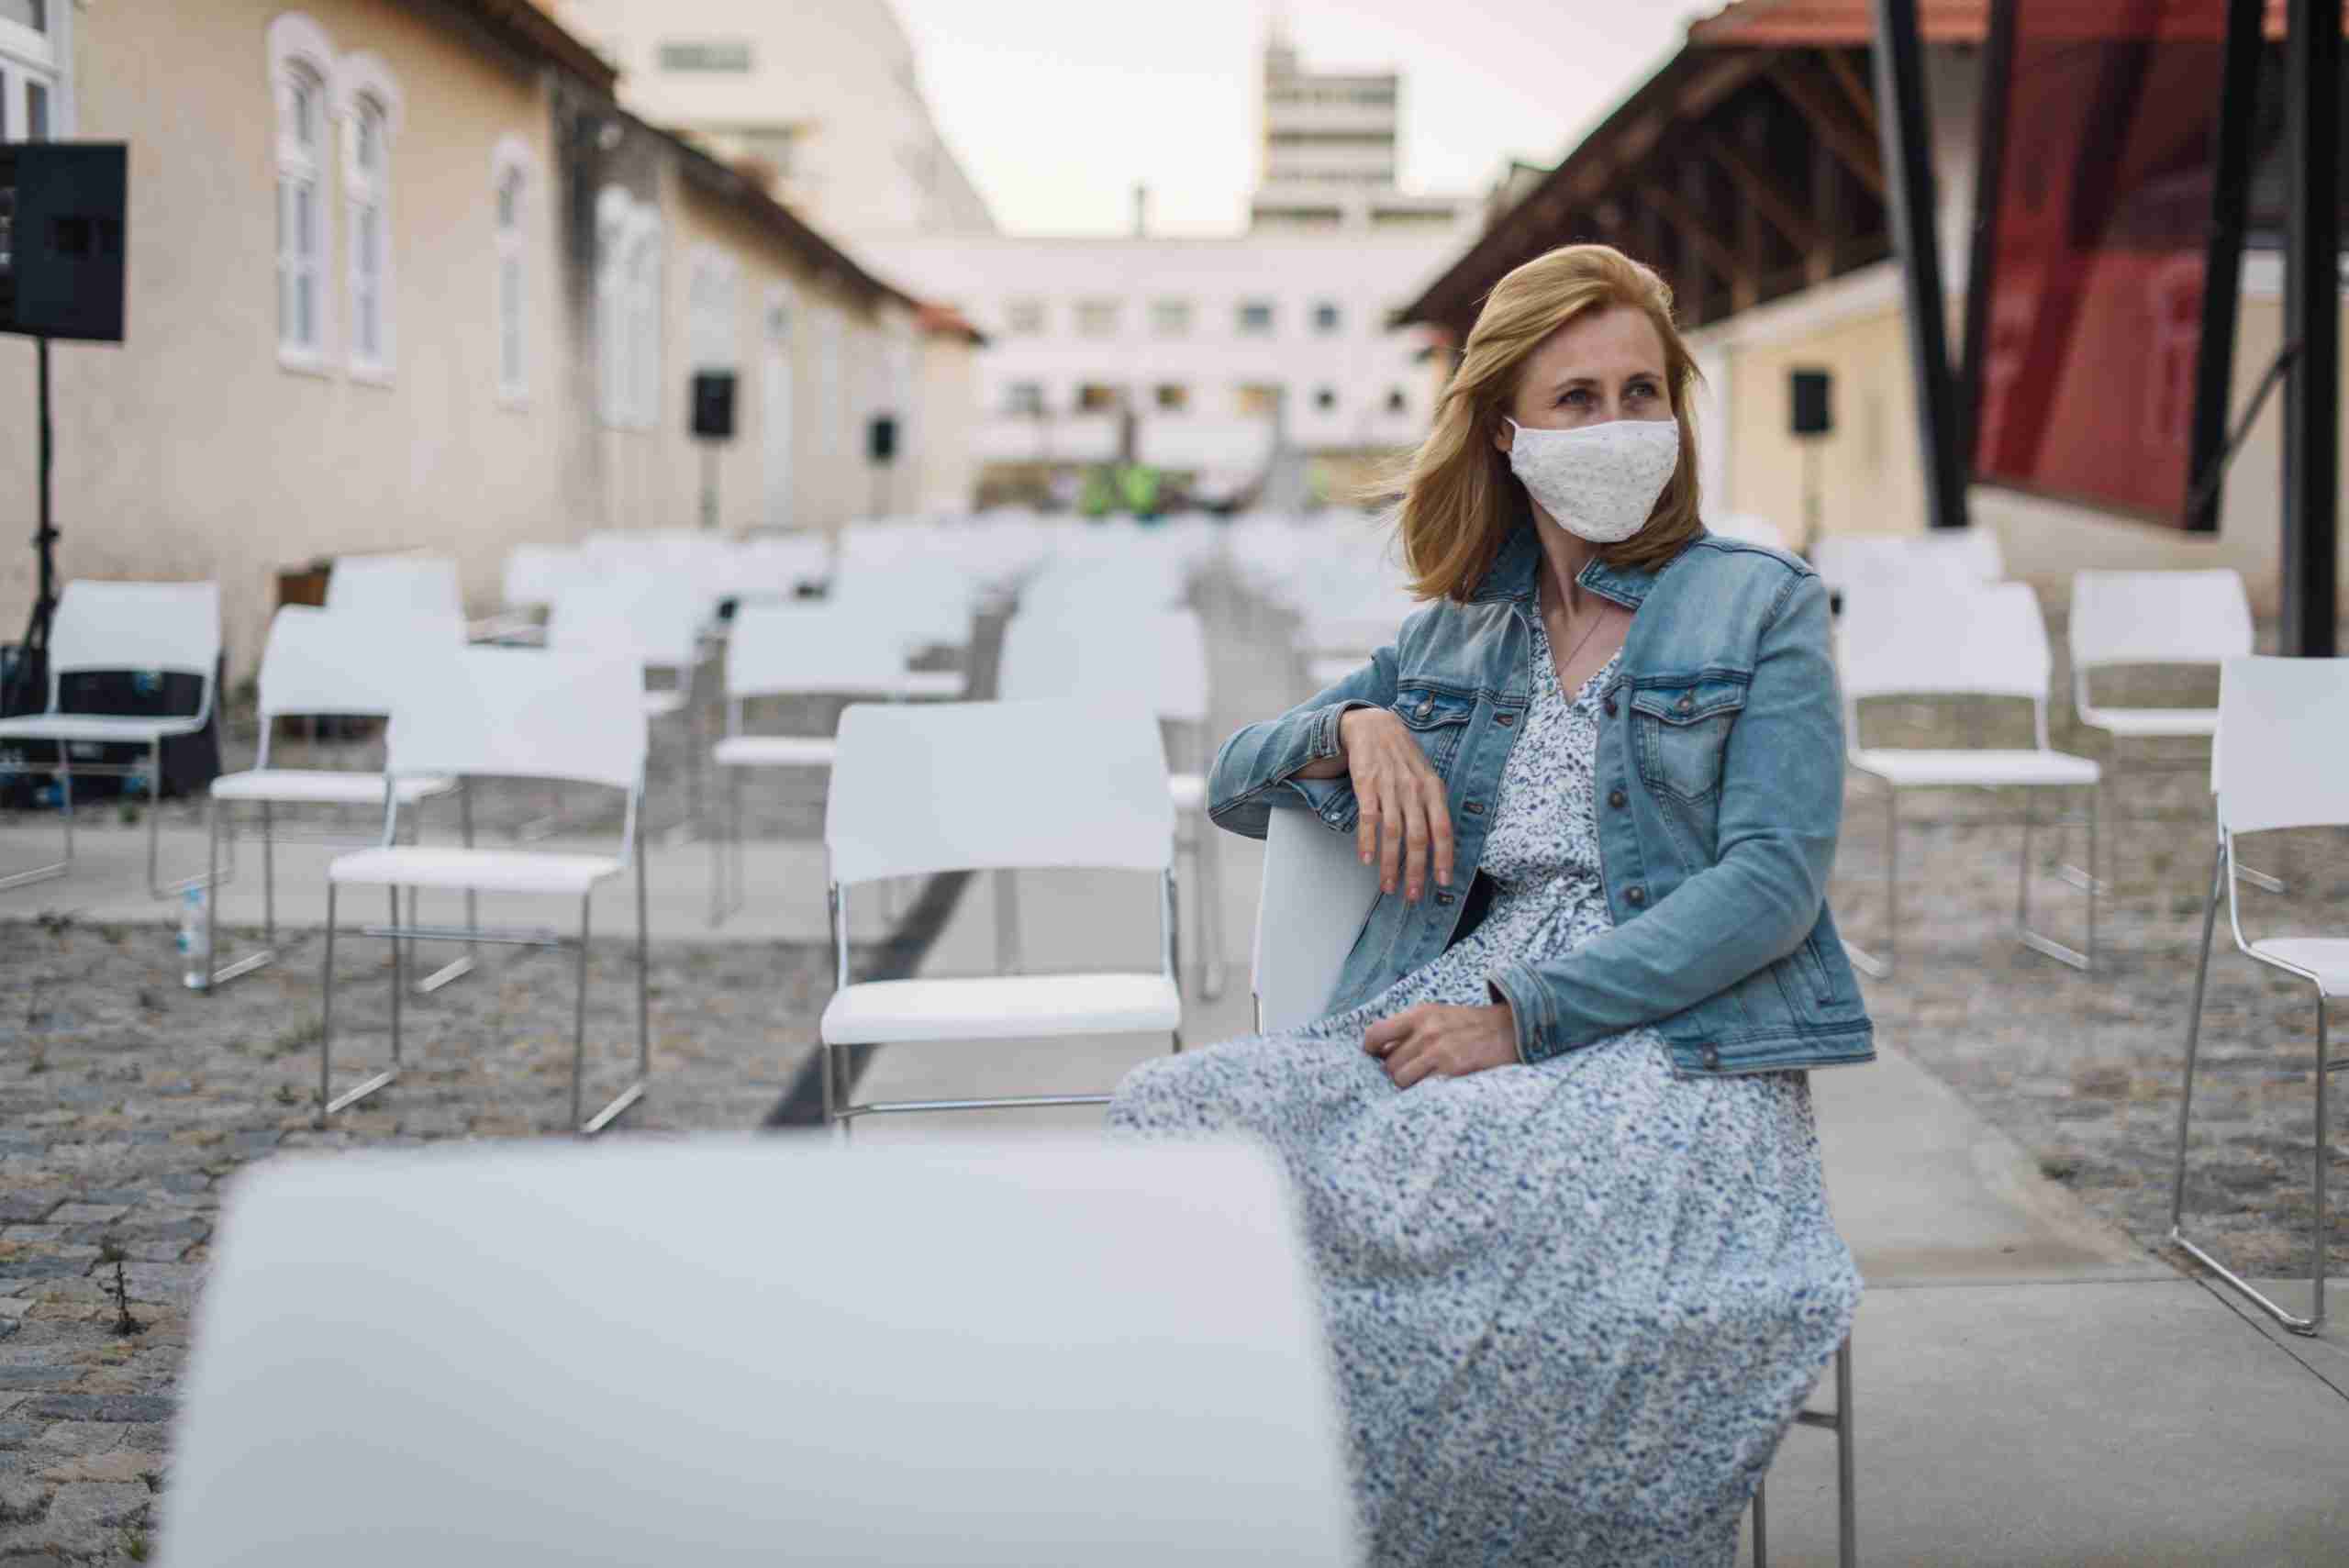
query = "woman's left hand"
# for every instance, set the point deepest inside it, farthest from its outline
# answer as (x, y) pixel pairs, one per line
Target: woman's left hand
(1435, 1041)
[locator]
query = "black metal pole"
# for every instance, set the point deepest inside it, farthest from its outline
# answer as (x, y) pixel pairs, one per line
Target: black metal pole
(2214, 366)
(1908, 181)
(20, 696)
(2312, 320)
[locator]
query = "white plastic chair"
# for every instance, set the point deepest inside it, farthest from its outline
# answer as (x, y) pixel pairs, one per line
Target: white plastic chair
(317, 663)
(978, 787)
(2155, 617)
(170, 628)
(953, 1356)
(1124, 654)
(784, 649)
(656, 617)
(1954, 561)
(534, 578)
(2276, 763)
(1317, 895)
(1990, 643)
(509, 712)
(406, 589)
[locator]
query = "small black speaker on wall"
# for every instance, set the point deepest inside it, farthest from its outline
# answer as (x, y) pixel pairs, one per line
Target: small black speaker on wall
(714, 405)
(61, 212)
(1813, 414)
(881, 437)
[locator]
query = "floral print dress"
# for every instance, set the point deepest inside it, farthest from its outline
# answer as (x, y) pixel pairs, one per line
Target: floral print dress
(1573, 1306)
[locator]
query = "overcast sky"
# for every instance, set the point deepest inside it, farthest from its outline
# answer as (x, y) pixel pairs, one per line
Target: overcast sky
(1058, 106)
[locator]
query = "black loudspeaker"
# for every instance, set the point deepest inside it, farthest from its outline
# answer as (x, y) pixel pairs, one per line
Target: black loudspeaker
(62, 238)
(714, 405)
(1813, 415)
(881, 437)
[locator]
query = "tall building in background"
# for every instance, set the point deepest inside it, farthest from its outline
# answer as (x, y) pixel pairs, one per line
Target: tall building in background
(1329, 156)
(822, 100)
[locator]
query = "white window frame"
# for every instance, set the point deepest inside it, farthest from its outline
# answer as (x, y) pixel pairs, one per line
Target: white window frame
(513, 164)
(302, 59)
(365, 93)
(29, 54)
(628, 309)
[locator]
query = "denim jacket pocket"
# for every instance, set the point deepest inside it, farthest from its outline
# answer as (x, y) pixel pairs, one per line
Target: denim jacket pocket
(1438, 719)
(1681, 729)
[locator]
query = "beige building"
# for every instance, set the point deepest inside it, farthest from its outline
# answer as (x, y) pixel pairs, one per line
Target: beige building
(401, 274)
(1748, 170)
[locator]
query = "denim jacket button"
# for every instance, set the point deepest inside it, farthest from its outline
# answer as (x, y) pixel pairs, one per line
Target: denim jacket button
(1687, 704)
(1610, 707)
(1504, 719)
(1471, 808)
(1427, 706)
(1444, 898)
(1618, 799)
(1636, 897)
(1713, 1056)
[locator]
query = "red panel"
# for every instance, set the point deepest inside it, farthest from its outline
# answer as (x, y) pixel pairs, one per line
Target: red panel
(2096, 283)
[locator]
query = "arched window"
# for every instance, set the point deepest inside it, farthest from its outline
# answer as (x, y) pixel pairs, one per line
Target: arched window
(511, 167)
(628, 309)
(301, 69)
(370, 106)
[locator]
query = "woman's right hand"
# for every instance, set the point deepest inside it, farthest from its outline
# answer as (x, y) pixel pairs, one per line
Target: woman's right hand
(1404, 822)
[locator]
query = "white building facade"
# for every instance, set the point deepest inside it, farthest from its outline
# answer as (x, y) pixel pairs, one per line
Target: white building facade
(1218, 349)
(823, 101)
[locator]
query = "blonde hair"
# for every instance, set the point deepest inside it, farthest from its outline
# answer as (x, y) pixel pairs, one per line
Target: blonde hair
(1459, 499)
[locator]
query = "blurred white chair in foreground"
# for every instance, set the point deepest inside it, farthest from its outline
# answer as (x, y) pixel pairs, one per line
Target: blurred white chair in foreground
(1929, 643)
(319, 662)
(2277, 762)
(1954, 561)
(166, 628)
(1316, 893)
(954, 1355)
(2155, 617)
(981, 786)
(505, 713)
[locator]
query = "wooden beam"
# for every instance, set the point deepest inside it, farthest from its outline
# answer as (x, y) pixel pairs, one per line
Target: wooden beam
(1756, 190)
(1855, 92)
(1854, 149)
(1691, 229)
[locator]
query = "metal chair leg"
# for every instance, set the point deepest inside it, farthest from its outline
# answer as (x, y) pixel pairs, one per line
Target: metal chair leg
(464, 962)
(326, 1018)
(2038, 941)
(1847, 1491)
(1205, 861)
(57, 868)
(1761, 1525)
(2290, 1321)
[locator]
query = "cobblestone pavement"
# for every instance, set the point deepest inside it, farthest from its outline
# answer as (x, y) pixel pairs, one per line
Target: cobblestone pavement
(128, 1103)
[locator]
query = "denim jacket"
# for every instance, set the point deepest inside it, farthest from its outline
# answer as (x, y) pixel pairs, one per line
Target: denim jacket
(1720, 779)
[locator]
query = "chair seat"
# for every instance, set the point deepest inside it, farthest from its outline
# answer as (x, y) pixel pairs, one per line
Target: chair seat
(322, 786)
(774, 751)
(2150, 722)
(1926, 769)
(1001, 1006)
(490, 871)
(94, 726)
(933, 684)
(1189, 791)
(661, 704)
(2327, 958)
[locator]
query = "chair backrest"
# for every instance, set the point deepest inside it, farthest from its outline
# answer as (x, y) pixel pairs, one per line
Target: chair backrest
(2281, 728)
(791, 646)
(404, 589)
(2158, 617)
(1069, 1353)
(1935, 642)
(537, 574)
(1316, 893)
(1956, 560)
(655, 618)
(136, 626)
(329, 661)
(1158, 658)
(929, 787)
(541, 713)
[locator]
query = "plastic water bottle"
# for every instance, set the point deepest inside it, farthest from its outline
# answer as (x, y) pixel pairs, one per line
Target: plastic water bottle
(195, 944)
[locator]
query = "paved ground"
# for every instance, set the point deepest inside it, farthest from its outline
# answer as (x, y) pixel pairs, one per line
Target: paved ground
(2037, 1384)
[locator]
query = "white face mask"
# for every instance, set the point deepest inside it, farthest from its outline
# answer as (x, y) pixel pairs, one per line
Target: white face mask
(1601, 482)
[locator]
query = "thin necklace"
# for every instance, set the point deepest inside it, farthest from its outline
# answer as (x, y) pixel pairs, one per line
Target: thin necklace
(1568, 662)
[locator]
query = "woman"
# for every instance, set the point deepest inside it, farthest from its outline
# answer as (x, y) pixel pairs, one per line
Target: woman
(1555, 1139)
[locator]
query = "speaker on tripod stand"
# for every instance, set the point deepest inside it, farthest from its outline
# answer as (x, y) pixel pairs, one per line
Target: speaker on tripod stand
(1810, 397)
